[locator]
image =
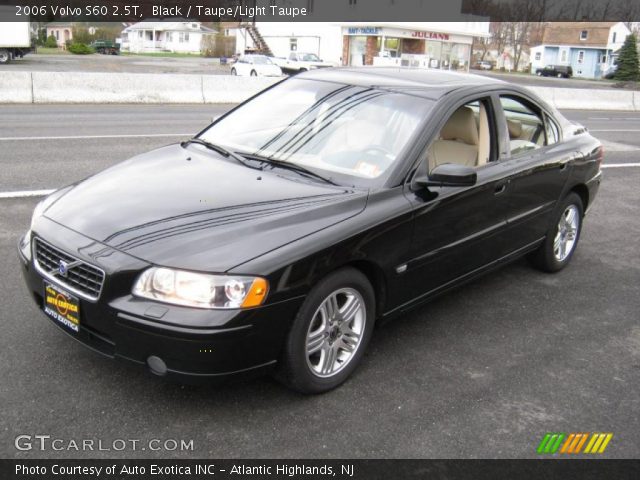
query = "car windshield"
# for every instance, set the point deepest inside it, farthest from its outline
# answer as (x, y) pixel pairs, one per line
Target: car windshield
(333, 129)
(261, 61)
(310, 57)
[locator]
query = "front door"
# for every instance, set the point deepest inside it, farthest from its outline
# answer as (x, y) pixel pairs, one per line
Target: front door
(458, 230)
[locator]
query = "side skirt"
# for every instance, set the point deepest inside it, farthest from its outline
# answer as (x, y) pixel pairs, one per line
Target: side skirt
(461, 280)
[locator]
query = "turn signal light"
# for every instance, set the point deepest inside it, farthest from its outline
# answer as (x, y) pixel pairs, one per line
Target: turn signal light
(257, 293)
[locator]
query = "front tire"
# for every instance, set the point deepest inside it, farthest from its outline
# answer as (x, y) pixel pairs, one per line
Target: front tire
(330, 333)
(5, 56)
(254, 73)
(561, 241)
(234, 72)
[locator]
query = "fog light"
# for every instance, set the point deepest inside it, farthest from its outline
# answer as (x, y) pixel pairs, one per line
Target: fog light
(157, 365)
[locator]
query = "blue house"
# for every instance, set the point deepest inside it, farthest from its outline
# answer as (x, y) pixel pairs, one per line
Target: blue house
(590, 48)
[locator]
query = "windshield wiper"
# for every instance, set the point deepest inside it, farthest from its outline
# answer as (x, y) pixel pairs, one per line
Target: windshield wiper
(289, 166)
(219, 149)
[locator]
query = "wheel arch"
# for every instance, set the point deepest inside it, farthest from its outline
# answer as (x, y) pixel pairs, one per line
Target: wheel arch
(376, 278)
(583, 192)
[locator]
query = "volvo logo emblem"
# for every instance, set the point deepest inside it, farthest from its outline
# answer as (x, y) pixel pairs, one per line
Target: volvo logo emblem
(63, 269)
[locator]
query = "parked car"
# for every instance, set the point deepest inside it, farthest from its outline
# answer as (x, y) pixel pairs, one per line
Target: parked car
(106, 47)
(255, 66)
(610, 73)
(560, 71)
(484, 65)
(302, 62)
(281, 234)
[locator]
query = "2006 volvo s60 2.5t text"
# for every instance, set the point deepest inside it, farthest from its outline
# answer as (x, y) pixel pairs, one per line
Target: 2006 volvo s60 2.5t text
(279, 235)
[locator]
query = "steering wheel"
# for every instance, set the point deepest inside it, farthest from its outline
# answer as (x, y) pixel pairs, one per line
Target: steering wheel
(379, 156)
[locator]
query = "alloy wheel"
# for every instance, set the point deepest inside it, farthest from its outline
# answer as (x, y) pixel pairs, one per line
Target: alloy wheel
(335, 332)
(567, 233)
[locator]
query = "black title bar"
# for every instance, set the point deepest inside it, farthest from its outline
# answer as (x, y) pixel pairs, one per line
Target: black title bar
(318, 469)
(360, 11)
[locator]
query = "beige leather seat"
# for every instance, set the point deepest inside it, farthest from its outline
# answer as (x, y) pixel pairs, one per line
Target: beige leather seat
(458, 142)
(515, 128)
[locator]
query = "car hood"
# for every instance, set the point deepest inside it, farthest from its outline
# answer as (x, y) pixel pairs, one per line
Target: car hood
(192, 209)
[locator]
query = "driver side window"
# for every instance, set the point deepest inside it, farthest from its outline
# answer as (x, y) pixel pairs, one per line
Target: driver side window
(465, 138)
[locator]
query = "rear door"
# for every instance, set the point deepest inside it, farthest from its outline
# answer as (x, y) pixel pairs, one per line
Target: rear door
(535, 165)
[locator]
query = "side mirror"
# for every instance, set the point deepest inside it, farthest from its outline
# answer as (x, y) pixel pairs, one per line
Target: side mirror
(448, 175)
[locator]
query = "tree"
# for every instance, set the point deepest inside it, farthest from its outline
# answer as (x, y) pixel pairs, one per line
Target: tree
(82, 35)
(628, 68)
(51, 42)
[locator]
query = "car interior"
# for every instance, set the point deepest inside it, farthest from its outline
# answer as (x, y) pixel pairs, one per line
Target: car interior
(466, 137)
(526, 128)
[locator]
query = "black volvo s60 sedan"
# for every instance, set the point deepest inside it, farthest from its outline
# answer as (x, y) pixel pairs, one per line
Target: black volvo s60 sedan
(278, 236)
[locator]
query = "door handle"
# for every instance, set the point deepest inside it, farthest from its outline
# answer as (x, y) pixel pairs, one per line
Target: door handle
(500, 188)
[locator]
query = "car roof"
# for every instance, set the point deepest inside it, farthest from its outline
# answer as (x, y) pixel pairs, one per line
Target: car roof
(426, 83)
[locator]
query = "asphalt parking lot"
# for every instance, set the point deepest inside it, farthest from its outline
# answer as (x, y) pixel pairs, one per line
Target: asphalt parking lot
(485, 371)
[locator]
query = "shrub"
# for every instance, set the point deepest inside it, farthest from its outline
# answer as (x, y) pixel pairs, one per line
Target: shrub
(51, 42)
(628, 61)
(80, 49)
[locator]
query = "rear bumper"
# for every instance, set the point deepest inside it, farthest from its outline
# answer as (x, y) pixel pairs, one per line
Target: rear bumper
(187, 344)
(593, 186)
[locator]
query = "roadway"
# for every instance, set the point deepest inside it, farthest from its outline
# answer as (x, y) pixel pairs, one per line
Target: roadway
(485, 371)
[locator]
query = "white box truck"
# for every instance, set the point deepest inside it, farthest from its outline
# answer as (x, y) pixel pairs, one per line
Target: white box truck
(15, 38)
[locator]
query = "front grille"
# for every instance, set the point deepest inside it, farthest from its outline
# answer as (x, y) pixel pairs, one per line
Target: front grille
(83, 279)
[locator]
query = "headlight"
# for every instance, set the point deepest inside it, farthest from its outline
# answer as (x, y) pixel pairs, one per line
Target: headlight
(200, 290)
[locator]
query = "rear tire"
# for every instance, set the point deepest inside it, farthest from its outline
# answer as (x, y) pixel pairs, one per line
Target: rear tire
(559, 75)
(5, 56)
(329, 334)
(233, 72)
(561, 241)
(254, 73)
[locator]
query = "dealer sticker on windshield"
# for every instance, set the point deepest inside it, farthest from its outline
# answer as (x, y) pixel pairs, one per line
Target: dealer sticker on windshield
(62, 307)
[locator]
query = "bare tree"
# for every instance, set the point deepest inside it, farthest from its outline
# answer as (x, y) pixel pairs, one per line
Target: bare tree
(482, 44)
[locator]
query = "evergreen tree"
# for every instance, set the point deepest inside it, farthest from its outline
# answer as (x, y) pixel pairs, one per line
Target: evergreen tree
(628, 68)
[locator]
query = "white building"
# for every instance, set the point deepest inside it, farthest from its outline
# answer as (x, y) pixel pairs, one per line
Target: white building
(179, 36)
(445, 45)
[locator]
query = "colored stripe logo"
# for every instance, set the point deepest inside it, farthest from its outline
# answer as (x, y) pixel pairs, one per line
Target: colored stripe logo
(573, 443)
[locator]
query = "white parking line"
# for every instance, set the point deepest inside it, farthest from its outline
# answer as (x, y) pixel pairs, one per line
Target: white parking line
(82, 137)
(26, 193)
(615, 130)
(41, 193)
(619, 165)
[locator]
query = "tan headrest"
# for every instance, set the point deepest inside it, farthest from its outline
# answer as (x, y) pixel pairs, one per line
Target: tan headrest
(461, 127)
(515, 128)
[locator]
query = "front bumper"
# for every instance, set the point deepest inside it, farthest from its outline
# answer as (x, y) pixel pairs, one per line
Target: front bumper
(187, 344)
